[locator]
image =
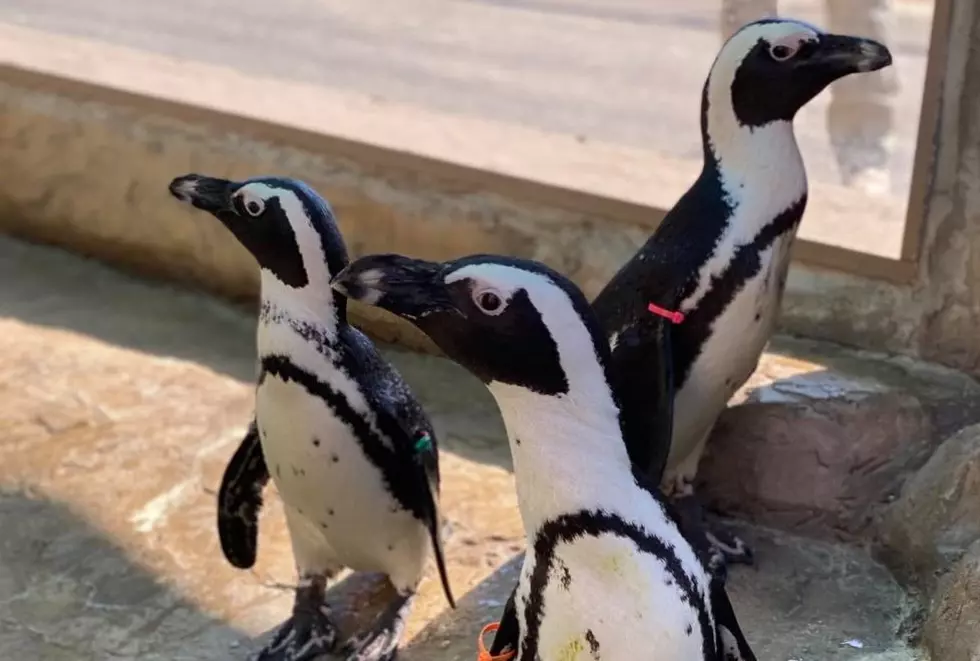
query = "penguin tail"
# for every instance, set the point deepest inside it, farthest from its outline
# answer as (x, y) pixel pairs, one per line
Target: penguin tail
(441, 560)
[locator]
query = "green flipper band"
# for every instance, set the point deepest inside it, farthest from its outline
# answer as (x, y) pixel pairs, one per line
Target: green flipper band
(424, 444)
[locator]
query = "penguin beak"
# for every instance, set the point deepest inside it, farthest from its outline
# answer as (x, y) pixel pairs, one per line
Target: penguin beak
(206, 193)
(410, 288)
(840, 55)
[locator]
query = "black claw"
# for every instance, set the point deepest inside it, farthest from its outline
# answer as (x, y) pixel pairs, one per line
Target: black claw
(380, 642)
(310, 633)
(296, 641)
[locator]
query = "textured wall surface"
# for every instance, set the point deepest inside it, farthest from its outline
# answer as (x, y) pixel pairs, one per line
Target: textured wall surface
(89, 172)
(93, 177)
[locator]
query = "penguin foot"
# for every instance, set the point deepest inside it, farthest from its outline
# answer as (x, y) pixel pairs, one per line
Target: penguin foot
(732, 548)
(380, 642)
(309, 634)
(715, 545)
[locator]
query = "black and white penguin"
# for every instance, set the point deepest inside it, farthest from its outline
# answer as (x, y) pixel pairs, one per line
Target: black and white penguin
(352, 453)
(607, 573)
(717, 264)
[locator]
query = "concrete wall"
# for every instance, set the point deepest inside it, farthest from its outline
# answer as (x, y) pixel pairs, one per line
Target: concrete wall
(87, 168)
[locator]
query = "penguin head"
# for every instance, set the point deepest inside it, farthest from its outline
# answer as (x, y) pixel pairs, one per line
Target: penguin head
(507, 320)
(771, 68)
(289, 229)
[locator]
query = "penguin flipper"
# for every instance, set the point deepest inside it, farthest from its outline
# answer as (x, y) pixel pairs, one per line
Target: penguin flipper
(427, 456)
(405, 422)
(240, 499)
(643, 381)
(508, 632)
(732, 644)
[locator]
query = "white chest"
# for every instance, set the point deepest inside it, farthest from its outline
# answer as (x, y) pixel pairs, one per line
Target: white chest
(606, 599)
(732, 351)
(324, 477)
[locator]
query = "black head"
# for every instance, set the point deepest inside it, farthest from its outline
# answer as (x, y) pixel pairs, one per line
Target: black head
(285, 224)
(773, 67)
(507, 320)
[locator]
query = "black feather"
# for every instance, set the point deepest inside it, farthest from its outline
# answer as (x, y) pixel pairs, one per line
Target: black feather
(240, 500)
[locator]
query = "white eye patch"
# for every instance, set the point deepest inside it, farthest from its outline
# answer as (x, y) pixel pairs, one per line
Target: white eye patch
(787, 46)
(488, 300)
(252, 203)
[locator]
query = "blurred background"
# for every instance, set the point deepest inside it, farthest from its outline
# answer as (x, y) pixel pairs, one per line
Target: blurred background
(616, 74)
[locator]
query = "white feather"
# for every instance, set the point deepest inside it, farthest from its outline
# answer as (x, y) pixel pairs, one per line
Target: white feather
(762, 175)
(569, 455)
(331, 482)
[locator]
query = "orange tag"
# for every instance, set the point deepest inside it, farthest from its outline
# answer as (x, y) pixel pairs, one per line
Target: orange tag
(483, 653)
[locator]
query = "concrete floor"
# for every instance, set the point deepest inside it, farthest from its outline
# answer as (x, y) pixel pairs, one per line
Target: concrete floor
(121, 400)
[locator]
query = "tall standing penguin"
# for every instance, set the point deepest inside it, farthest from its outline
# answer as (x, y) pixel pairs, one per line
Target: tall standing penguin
(352, 453)
(608, 573)
(717, 264)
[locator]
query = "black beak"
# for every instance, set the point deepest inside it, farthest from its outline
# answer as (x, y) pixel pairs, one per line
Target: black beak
(842, 55)
(206, 193)
(410, 288)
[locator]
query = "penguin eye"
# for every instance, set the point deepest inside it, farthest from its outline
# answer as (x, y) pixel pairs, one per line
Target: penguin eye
(785, 48)
(254, 207)
(489, 301)
(781, 52)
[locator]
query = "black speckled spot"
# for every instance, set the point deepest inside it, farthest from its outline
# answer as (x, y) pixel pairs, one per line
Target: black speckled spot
(316, 442)
(565, 576)
(278, 471)
(391, 547)
(323, 524)
(689, 630)
(330, 512)
(334, 458)
(295, 471)
(593, 643)
(517, 441)
(668, 582)
(300, 511)
(758, 316)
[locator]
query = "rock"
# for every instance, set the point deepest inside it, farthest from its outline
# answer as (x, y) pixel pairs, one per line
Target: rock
(952, 629)
(937, 517)
(823, 437)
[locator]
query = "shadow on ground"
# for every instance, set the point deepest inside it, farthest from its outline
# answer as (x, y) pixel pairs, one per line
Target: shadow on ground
(67, 591)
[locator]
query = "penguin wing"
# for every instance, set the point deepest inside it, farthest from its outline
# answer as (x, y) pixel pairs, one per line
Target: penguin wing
(731, 641)
(425, 460)
(240, 499)
(405, 422)
(508, 634)
(642, 372)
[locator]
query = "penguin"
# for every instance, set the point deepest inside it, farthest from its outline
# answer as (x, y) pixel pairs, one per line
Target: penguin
(710, 279)
(352, 453)
(608, 569)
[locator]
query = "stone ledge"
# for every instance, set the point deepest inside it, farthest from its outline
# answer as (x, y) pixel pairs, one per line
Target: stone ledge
(92, 168)
(937, 517)
(822, 438)
(952, 629)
